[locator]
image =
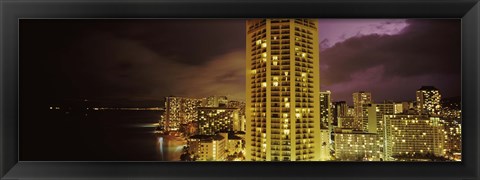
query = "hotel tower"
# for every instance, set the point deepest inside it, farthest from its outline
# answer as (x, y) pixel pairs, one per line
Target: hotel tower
(282, 81)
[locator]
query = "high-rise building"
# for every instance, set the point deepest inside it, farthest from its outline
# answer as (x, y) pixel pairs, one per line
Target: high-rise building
(345, 122)
(354, 145)
(282, 108)
(241, 114)
(214, 119)
(359, 100)
(410, 136)
(325, 110)
(453, 137)
(180, 110)
(325, 144)
(376, 123)
(217, 101)
(401, 107)
(339, 109)
(428, 100)
(374, 115)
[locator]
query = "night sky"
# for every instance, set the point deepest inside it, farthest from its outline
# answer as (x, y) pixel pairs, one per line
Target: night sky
(138, 62)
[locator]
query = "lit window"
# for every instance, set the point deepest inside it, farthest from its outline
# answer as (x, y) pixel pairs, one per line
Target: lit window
(287, 105)
(264, 54)
(275, 83)
(264, 45)
(259, 42)
(275, 57)
(264, 84)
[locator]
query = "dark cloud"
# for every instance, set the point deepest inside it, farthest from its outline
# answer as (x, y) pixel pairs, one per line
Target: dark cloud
(131, 59)
(150, 59)
(426, 48)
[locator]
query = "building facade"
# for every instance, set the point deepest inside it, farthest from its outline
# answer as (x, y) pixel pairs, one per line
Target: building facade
(214, 119)
(339, 109)
(354, 145)
(414, 135)
(180, 110)
(208, 147)
(359, 100)
(282, 108)
(325, 110)
(428, 100)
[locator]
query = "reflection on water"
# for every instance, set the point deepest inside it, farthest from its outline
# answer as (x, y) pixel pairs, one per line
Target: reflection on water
(100, 136)
(170, 148)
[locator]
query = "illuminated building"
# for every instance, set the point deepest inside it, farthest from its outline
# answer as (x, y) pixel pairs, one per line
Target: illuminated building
(375, 124)
(354, 145)
(339, 109)
(208, 147)
(180, 110)
(345, 122)
(428, 100)
(359, 99)
(325, 144)
(453, 137)
(240, 124)
(217, 101)
(410, 136)
(350, 111)
(235, 145)
(215, 119)
(325, 110)
(282, 108)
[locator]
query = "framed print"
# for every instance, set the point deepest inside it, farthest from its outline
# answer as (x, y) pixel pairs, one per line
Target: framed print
(240, 90)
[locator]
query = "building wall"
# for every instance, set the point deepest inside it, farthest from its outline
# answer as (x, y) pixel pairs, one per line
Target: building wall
(215, 119)
(325, 110)
(180, 110)
(414, 135)
(325, 144)
(346, 122)
(208, 149)
(359, 100)
(282, 109)
(356, 146)
(428, 100)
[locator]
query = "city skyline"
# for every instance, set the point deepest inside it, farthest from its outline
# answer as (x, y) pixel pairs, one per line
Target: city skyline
(299, 90)
(133, 71)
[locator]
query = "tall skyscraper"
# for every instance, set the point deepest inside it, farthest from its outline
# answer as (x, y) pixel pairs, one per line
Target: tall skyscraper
(359, 100)
(282, 107)
(325, 110)
(339, 109)
(428, 100)
(376, 123)
(180, 110)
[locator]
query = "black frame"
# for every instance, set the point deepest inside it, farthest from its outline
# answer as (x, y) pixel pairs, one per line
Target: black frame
(12, 10)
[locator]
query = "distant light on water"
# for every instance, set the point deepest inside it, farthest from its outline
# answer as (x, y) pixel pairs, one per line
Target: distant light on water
(146, 125)
(160, 142)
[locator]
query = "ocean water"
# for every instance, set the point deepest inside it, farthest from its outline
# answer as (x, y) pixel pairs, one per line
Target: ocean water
(110, 135)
